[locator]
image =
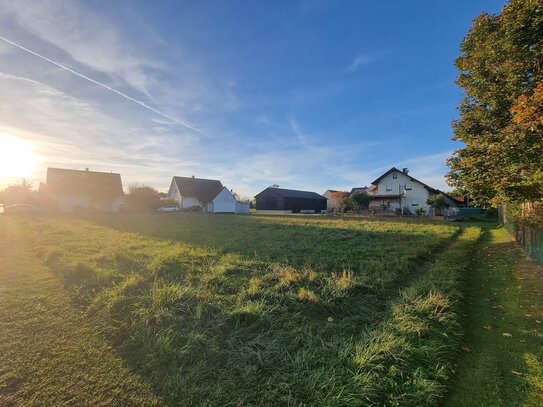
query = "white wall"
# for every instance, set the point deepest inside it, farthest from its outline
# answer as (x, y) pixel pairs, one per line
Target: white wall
(333, 201)
(184, 202)
(243, 208)
(72, 203)
(188, 201)
(224, 202)
(413, 199)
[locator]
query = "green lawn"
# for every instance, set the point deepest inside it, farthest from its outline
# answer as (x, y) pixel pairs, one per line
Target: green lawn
(233, 310)
(504, 297)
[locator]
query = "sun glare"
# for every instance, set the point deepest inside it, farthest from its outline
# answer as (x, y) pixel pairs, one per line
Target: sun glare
(17, 160)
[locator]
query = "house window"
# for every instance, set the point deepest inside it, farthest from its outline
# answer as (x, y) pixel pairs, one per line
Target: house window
(389, 187)
(408, 187)
(415, 202)
(394, 175)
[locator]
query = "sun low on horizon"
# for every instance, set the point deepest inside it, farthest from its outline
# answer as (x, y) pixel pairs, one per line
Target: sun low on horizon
(18, 158)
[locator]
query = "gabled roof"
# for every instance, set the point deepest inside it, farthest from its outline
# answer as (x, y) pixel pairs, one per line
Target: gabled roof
(394, 169)
(203, 189)
(98, 185)
(457, 199)
(293, 193)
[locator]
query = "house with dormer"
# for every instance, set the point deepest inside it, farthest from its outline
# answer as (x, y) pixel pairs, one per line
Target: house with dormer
(398, 190)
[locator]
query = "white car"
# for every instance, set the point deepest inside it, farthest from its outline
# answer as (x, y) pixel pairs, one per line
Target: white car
(168, 208)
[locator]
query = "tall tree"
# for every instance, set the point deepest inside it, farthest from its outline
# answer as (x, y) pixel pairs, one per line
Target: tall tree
(501, 73)
(22, 193)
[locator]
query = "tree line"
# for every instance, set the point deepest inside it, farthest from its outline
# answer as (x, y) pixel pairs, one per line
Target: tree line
(501, 113)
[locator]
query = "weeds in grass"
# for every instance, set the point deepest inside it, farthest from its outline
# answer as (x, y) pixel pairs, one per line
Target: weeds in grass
(305, 295)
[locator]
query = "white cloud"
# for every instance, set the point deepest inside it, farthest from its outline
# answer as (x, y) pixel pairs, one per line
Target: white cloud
(89, 38)
(95, 82)
(74, 133)
(77, 124)
(361, 60)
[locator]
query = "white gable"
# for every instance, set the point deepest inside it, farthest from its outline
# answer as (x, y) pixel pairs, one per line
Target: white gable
(224, 202)
(224, 196)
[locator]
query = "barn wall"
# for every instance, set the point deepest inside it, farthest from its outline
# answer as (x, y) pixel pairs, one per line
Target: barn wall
(269, 201)
(300, 204)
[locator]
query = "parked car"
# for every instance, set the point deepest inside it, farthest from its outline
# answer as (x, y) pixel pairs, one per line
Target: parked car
(24, 209)
(169, 208)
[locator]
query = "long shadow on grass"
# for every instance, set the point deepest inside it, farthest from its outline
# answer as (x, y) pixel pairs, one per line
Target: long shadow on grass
(275, 326)
(326, 245)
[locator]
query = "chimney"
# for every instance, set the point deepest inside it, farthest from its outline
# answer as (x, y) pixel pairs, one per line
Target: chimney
(405, 170)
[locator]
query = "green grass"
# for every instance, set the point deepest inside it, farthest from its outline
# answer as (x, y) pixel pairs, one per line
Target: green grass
(51, 353)
(229, 310)
(505, 296)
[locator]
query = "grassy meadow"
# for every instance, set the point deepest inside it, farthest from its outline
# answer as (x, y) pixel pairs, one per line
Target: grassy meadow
(248, 310)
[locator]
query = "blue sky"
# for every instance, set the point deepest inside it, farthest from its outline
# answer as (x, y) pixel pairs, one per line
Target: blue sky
(312, 95)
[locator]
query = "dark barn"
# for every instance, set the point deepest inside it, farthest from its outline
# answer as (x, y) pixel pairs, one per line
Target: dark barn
(280, 199)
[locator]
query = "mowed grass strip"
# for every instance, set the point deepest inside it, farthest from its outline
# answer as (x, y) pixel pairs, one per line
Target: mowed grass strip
(502, 363)
(50, 353)
(224, 310)
(408, 360)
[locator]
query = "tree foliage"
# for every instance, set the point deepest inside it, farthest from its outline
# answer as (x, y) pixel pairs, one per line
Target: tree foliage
(437, 202)
(501, 115)
(22, 193)
(361, 200)
(142, 198)
(355, 202)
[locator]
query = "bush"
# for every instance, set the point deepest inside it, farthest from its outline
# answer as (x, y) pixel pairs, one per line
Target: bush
(437, 202)
(356, 202)
(142, 198)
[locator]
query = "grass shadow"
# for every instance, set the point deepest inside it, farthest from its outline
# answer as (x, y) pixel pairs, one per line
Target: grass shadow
(246, 302)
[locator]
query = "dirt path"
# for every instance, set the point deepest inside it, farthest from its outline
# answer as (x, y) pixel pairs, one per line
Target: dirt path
(50, 354)
(502, 360)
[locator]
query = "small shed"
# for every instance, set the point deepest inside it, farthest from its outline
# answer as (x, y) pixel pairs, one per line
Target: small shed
(224, 202)
(290, 200)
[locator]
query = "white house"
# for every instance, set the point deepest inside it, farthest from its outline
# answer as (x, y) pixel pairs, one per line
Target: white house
(190, 191)
(73, 190)
(226, 202)
(396, 189)
(210, 195)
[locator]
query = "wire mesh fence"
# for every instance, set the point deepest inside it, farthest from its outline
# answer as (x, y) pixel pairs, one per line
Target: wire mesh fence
(531, 238)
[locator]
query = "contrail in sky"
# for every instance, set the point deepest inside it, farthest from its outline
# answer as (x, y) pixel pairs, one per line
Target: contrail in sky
(124, 95)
